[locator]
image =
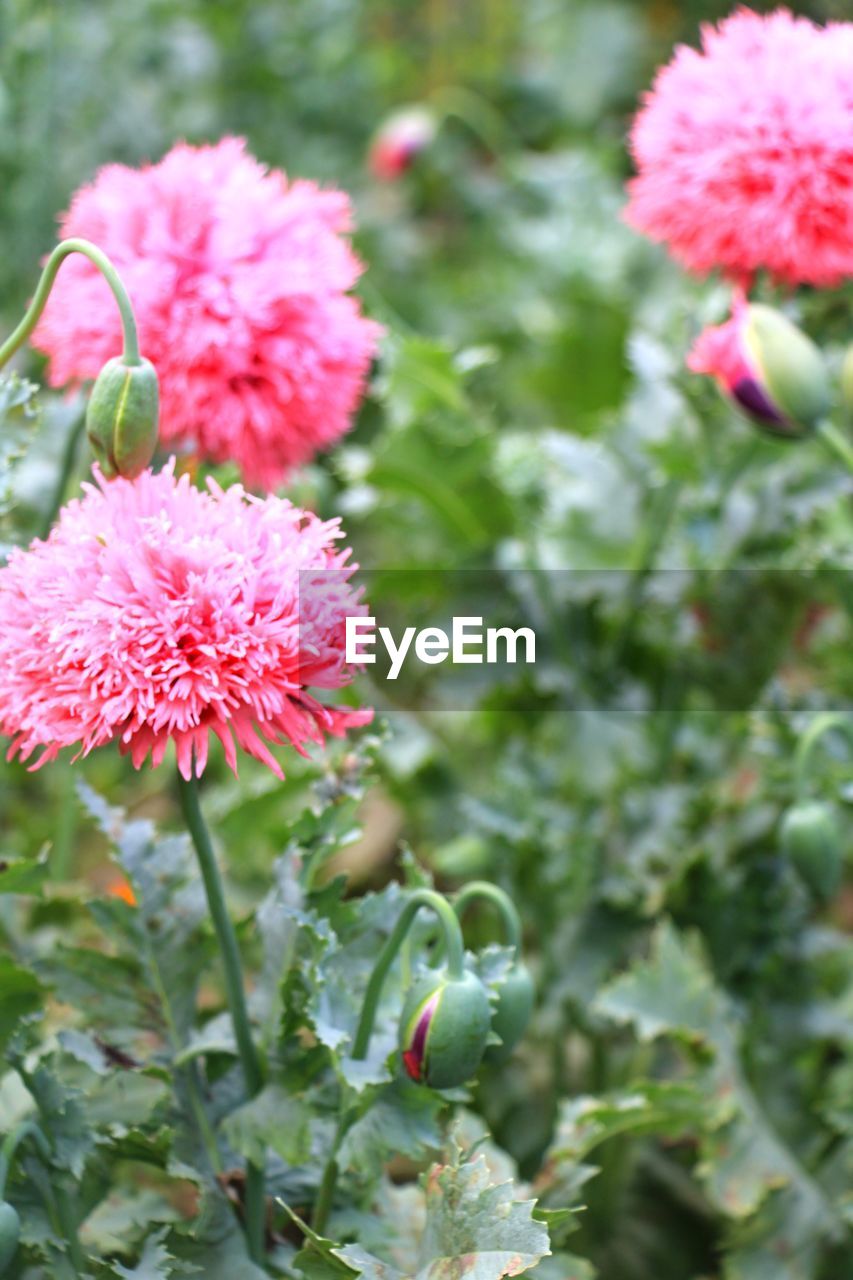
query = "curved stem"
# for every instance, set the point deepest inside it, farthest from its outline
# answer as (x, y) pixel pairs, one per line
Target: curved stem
(27, 1129)
(64, 1207)
(95, 255)
(455, 949)
(455, 958)
(477, 114)
(838, 443)
(250, 1060)
(821, 725)
(509, 916)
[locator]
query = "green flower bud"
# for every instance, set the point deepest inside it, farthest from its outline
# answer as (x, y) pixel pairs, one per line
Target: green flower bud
(122, 417)
(812, 840)
(512, 1014)
(10, 1235)
(444, 1029)
(789, 367)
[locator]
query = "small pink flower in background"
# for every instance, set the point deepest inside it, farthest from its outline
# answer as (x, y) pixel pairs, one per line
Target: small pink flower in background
(400, 140)
(158, 612)
(744, 151)
(240, 283)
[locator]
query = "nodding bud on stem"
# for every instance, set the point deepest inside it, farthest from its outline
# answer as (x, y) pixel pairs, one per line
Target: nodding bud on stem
(122, 417)
(512, 1012)
(768, 367)
(10, 1235)
(812, 840)
(444, 1029)
(400, 140)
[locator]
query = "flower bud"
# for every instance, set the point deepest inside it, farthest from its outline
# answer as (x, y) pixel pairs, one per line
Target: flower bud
(10, 1234)
(812, 840)
(768, 367)
(512, 1014)
(444, 1029)
(400, 140)
(122, 417)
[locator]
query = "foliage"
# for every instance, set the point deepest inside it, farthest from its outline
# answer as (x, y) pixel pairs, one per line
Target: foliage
(680, 1106)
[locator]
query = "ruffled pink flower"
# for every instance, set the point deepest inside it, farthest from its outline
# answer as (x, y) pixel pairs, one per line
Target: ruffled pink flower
(239, 280)
(744, 151)
(156, 611)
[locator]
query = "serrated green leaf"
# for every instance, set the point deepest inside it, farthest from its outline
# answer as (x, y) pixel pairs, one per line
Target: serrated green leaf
(19, 413)
(472, 1226)
(121, 1219)
(23, 875)
(665, 1108)
(21, 993)
(156, 1262)
(671, 994)
(275, 1120)
(402, 1121)
(743, 1160)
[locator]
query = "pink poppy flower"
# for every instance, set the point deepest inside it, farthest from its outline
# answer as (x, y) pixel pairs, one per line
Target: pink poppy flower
(157, 612)
(240, 282)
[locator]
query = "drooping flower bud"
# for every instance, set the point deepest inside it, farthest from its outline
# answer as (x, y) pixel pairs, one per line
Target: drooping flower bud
(122, 417)
(444, 1029)
(812, 840)
(512, 1013)
(400, 140)
(10, 1234)
(768, 367)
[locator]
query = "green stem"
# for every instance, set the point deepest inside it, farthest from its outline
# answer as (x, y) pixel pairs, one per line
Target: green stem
(504, 904)
(130, 354)
(64, 1207)
(478, 115)
(454, 945)
(659, 524)
(455, 949)
(821, 725)
(66, 467)
(326, 1194)
(247, 1050)
(839, 445)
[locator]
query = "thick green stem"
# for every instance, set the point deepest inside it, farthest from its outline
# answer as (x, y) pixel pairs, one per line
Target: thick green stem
(247, 1050)
(454, 946)
(17, 339)
(821, 725)
(838, 443)
(326, 1194)
(455, 950)
(64, 1207)
(503, 902)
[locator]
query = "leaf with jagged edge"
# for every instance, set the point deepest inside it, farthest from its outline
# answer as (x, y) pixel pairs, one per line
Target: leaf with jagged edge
(745, 1167)
(660, 1107)
(160, 941)
(472, 1226)
(273, 1120)
(156, 1262)
(19, 414)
